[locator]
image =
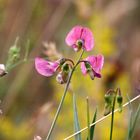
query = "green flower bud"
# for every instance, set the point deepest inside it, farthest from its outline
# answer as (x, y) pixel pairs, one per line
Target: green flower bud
(119, 101)
(66, 68)
(62, 77)
(107, 109)
(79, 43)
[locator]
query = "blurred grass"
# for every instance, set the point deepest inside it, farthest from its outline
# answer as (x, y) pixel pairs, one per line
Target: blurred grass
(24, 93)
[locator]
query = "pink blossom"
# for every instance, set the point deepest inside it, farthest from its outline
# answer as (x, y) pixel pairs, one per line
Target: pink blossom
(93, 66)
(80, 37)
(46, 68)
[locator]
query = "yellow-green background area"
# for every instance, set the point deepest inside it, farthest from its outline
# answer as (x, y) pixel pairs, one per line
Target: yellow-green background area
(29, 100)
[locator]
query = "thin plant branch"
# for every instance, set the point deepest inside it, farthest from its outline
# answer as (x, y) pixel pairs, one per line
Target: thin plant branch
(63, 98)
(101, 119)
(112, 117)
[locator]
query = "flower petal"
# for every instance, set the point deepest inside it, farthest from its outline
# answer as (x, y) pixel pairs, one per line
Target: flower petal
(96, 62)
(87, 36)
(45, 68)
(83, 68)
(73, 35)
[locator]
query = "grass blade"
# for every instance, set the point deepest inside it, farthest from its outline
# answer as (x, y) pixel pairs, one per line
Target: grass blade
(112, 118)
(130, 119)
(88, 119)
(132, 123)
(136, 116)
(93, 127)
(76, 121)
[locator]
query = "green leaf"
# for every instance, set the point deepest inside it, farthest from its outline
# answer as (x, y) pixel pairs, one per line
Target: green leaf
(93, 127)
(132, 122)
(76, 121)
(136, 116)
(88, 118)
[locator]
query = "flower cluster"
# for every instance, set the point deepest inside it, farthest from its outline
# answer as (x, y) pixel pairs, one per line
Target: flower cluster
(79, 38)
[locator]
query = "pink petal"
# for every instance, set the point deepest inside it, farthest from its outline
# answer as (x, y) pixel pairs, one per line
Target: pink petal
(87, 36)
(80, 33)
(83, 68)
(73, 35)
(96, 62)
(45, 68)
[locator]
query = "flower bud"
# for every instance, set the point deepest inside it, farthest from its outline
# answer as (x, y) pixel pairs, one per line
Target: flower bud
(108, 101)
(107, 109)
(119, 101)
(108, 98)
(62, 76)
(78, 45)
(2, 70)
(13, 55)
(91, 74)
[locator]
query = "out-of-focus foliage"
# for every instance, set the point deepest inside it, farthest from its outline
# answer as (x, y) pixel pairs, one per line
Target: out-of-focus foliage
(29, 101)
(9, 130)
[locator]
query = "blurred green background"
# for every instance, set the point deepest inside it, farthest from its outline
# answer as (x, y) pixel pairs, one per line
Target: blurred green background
(29, 100)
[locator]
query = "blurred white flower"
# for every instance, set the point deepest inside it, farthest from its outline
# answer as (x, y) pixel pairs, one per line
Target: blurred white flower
(37, 138)
(50, 50)
(2, 70)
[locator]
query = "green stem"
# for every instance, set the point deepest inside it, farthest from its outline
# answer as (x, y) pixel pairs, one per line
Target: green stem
(88, 119)
(112, 117)
(27, 50)
(63, 98)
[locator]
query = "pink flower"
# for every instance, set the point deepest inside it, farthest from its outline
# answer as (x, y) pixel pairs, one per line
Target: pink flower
(93, 66)
(46, 68)
(80, 37)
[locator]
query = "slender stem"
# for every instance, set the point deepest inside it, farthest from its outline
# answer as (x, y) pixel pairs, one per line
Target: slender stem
(67, 59)
(112, 117)
(63, 98)
(88, 119)
(27, 50)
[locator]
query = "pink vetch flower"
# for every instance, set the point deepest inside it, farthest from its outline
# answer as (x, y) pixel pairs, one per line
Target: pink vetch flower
(80, 37)
(45, 67)
(48, 68)
(93, 66)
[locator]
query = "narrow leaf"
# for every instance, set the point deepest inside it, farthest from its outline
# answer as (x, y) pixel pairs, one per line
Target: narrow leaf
(136, 116)
(130, 119)
(93, 127)
(132, 123)
(76, 121)
(88, 119)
